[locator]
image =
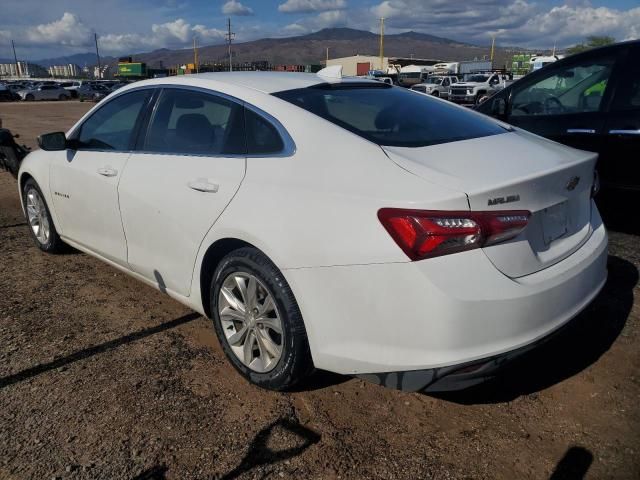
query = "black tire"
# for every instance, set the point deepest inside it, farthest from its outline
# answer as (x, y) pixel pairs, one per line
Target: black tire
(295, 362)
(63, 97)
(436, 93)
(29, 98)
(53, 244)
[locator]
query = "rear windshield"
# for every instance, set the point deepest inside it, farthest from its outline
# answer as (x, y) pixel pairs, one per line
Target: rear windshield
(391, 116)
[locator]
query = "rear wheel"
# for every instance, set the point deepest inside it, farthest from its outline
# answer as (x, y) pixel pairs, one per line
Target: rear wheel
(258, 322)
(29, 98)
(62, 97)
(41, 226)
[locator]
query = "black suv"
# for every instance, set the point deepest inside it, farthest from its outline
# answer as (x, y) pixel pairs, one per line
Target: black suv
(590, 101)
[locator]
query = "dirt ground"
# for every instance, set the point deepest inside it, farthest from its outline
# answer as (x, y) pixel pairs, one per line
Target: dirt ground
(102, 377)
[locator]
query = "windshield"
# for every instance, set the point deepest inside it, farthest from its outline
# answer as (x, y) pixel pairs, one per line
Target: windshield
(434, 80)
(391, 116)
(478, 78)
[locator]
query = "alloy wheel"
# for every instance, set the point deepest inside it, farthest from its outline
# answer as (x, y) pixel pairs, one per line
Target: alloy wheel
(37, 216)
(250, 321)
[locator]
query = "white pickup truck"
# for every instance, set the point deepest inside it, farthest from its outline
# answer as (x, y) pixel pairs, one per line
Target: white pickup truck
(438, 86)
(478, 87)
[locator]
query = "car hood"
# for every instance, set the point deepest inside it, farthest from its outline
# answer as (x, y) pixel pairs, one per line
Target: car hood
(467, 84)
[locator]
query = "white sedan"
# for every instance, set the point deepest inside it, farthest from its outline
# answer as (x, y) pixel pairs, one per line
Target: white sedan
(328, 222)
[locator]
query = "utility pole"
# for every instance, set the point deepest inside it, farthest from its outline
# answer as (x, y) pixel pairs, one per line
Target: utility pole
(95, 38)
(15, 57)
(493, 44)
(382, 43)
(195, 55)
(230, 36)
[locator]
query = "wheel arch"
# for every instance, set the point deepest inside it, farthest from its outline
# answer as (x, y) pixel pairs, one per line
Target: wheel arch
(210, 261)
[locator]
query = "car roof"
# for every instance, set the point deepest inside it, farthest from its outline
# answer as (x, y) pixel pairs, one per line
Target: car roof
(266, 82)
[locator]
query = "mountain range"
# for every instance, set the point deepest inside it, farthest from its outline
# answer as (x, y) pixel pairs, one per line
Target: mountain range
(308, 49)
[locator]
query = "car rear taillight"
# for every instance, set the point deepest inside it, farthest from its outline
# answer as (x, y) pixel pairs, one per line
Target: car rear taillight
(425, 233)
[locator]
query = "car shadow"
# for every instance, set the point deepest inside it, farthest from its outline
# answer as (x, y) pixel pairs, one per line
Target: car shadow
(94, 350)
(575, 348)
(319, 380)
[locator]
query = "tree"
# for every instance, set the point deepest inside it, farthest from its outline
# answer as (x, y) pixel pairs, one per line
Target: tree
(592, 42)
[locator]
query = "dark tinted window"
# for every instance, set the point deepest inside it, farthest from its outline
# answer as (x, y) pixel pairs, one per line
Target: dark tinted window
(111, 126)
(628, 93)
(192, 122)
(391, 115)
(262, 136)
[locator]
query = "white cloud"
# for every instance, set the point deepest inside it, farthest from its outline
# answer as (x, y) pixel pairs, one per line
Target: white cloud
(306, 6)
(331, 18)
(69, 31)
(515, 22)
(233, 7)
(178, 33)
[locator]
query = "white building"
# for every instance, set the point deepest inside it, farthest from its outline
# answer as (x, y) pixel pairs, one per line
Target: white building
(69, 70)
(361, 64)
(21, 69)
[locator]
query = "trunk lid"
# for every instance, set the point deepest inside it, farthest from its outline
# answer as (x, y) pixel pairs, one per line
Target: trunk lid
(516, 171)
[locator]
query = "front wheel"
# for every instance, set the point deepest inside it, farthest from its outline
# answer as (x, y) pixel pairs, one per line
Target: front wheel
(258, 322)
(29, 98)
(62, 97)
(41, 226)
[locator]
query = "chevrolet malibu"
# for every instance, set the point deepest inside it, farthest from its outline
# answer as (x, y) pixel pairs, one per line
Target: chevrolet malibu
(327, 222)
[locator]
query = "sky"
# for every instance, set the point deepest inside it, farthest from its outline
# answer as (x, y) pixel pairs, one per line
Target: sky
(52, 28)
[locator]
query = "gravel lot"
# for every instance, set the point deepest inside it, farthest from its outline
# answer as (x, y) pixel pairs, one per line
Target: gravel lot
(104, 377)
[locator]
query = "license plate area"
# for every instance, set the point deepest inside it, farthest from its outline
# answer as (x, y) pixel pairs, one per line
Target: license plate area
(555, 222)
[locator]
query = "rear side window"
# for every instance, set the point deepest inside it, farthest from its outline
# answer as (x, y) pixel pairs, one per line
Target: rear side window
(391, 116)
(190, 122)
(262, 136)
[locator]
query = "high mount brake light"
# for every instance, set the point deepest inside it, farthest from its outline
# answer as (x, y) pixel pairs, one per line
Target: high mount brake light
(426, 233)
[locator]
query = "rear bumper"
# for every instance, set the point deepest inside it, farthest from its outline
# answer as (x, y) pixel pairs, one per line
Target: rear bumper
(441, 314)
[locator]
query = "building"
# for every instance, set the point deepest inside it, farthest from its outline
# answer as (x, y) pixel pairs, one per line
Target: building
(362, 64)
(70, 70)
(22, 69)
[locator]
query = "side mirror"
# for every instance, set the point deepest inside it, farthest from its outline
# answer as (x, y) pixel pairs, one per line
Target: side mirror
(53, 141)
(499, 107)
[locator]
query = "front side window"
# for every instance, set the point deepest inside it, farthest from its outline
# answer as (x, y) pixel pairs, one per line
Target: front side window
(191, 122)
(578, 88)
(111, 126)
(391, 116)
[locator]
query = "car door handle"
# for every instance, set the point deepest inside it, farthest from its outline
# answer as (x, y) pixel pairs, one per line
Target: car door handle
(624, 132)
(580, 130)
(107, 172)
(203, 185)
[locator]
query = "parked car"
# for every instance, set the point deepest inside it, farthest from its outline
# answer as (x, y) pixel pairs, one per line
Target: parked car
(478, 87)
(366, 230)
(71, 87)
(7, 94)
(589, 101)
(92, 92)
(438, 86)
(44, 92)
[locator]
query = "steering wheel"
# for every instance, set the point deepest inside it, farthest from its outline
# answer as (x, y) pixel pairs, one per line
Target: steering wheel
(553, 106)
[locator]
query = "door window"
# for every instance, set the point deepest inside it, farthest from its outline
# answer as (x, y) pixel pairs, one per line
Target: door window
(111, 127)
(576, 88)
(190, 122)
(628, 92)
